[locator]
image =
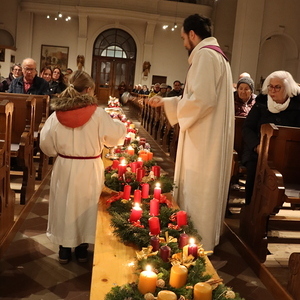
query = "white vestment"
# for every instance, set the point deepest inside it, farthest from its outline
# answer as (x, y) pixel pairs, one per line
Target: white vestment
(206, 118)
(76, 184)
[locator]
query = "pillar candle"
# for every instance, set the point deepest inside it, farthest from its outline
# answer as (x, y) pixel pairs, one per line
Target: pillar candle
(147, 281)
(157, 191)
(134, 166)
(154, 225)
(154, 207)
(130, 150)
(183, 240)
(122, 168)
(126, 191)
(140, 173)
(193, 248)
(140, 162)
(150, 155)
(115, 164)
(202, 291)
(136, 213)
(181, 218)
(127, 140)
(143, 156)
(165, 253)
(156, 171)
(166, 295)
(137, 196)
(145, 190)
(178, 276)
(154, 242)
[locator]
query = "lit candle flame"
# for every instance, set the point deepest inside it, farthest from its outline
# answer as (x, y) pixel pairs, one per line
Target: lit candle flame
(148, 268)
(157, 185)
(192, 241)
(123, 162)
(136, 205)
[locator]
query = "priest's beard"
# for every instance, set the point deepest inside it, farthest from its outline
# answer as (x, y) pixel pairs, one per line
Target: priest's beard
(190, 48)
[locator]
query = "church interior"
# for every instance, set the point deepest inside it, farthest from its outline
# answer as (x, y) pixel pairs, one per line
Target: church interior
(139, 43)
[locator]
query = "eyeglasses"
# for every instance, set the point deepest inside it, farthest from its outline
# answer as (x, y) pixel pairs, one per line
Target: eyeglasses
(276, 88)
(17, 70)
(29, 69)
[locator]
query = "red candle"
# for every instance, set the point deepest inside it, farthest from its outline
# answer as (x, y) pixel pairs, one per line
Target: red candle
(140, 162)
(154, 241)
(136, 213)
(145, 190)
(181, 218)
(165, 253)
(115, 164)
(137, 196)
(154, 207)
(122, 168)
(183, 240)
(127, 190)
(193, 248)
(157, 191)
(156, 171)
(127, 140)
(140, 173)
(134, 166)
(154, 225)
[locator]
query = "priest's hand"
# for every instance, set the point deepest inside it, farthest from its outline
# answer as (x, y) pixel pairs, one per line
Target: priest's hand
(156, 101)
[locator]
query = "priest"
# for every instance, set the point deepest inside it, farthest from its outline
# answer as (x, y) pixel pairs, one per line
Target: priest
(205, 114)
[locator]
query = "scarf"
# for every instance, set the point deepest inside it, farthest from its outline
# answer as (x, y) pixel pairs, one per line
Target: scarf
(276, 108)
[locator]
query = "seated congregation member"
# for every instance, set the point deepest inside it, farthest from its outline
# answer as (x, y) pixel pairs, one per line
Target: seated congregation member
(46, 73)
(155, 90)
(76, 133)
(144, 90)
(244, 98)
(16, 71)
(279, 103)
(177, 90)
(163, 90)
(57, 84)
(29, 82)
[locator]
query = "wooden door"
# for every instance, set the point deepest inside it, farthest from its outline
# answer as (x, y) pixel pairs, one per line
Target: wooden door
(108, 73)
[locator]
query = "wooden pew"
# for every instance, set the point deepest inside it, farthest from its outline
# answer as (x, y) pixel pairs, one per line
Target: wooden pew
(278, 169)
(22, 140)
(42, 111)
(294, 279)
(7, 198)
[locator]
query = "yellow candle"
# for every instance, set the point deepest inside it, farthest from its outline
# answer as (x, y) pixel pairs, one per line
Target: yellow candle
(178, 276)
(166, 295)
(202, 291)
(147, 281)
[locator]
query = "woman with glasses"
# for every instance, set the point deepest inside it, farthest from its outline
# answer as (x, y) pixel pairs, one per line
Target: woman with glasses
(278, 103)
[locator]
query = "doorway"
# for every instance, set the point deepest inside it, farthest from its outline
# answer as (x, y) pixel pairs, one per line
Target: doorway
(113, 64)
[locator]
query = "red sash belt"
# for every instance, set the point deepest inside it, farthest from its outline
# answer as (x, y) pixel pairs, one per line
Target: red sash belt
(78, 157)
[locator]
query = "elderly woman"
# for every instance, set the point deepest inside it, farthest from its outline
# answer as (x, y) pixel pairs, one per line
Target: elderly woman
(244, 98)
(279, 103)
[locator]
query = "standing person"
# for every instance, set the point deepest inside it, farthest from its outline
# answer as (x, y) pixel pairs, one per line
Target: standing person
(57, 84)
(76, 133)
(29, 83)
(279, 103)
(205, 114)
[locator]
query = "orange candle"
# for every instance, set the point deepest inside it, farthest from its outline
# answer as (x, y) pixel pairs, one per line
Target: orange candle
(178, 276)
(166, 295)
(150, 155)
(147, 281)
(143, 156)
(130, 150)
(202, 291)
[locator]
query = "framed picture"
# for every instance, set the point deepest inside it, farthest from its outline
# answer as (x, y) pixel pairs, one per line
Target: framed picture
(54, 56)
(2, 54)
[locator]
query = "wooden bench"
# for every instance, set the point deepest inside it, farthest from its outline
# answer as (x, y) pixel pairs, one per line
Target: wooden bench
(278, 170)
(42, 111)
(22, 141)
(7, 199)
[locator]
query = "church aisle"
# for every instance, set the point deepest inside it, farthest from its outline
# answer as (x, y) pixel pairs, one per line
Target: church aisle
(30, 270)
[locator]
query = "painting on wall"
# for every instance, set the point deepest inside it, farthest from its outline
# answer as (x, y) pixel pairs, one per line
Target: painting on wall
(54, 56)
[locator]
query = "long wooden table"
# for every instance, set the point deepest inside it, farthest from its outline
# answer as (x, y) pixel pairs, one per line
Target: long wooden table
(114, 263)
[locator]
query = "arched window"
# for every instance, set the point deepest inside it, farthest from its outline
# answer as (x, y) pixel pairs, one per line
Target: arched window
(115, 43)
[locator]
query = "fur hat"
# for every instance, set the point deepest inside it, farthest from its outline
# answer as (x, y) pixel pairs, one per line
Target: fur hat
(248, 81)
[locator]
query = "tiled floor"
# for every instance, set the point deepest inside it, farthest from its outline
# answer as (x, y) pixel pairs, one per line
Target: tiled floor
(30, 270)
